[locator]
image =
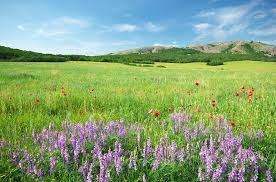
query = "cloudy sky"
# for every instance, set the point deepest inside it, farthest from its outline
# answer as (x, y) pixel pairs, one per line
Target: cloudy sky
(95, 27)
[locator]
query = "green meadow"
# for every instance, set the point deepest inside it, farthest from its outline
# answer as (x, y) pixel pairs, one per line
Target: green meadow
(33, 95)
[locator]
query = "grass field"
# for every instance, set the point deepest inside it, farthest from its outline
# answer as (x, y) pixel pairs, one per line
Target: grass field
(33, 95)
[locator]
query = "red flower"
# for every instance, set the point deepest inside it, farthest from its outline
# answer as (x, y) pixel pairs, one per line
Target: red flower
(212, 116)
(213, 103)
(37, 100)
(233, 123)
(238, 94)
(65, 94)
(156, 114)
(250, 93)
(198, 109)
(197, 83)
(243, 88)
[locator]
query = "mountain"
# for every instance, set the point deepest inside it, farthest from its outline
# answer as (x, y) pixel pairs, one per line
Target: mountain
(144, 50)
(236, 47)
(233, 47)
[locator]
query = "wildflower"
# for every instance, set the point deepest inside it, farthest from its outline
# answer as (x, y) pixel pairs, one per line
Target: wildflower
(197, 83)
(37, 100)
(238, 94)
(268, 176)
(212, 116)
(132, 162)
(52, 164)
(250, 93)
(243, 88)
(233, 123)
(214, 103)
(260, 135)
(144, 178)
(198, 109)
(181, 155)
(21, 165)
(217, 174)
(156, 114)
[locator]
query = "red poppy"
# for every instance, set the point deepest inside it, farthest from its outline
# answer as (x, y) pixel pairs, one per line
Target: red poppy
(220, 120)
(37, 100)
(197, 83)
(156, 114)
(213, 103)
(212, 116)
(243, 88)
(238, 94)
(65, 94)
(233, 123)
(250, 93)
(198, 109)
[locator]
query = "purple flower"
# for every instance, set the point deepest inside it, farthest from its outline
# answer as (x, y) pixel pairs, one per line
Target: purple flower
(89, 174)
(21, 165)
(132, 162)
(268, 176)
(217, 174)
(52, 165)
(118, 162)
(233, 175)
(201, 176)
(260, 135)
(181, 155)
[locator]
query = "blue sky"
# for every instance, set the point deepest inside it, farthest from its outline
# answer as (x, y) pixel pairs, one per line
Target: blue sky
(95, 27)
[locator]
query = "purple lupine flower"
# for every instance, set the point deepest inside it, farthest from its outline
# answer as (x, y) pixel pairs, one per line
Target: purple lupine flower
(108, 158)
(34, 134)
(147, 151)
(118, 162)
(188, 151)
(29, 170)
(251, 135)
(260, 135)
(89, 174)
(138, 141)
(181, 155)
(233, 175)
(132, 162)
(21, 165)
(209, 165)
(14, 157)
(103, 136)
(172, 151)
(84, 168)
(107, 175)
(118, 148)
(88, 129)
(195, 132)
(201, 176)
(37, 172)
(66, 157)
(268, 176)
(212, 145)
(52, 165)
(217, 174)
(241, 173)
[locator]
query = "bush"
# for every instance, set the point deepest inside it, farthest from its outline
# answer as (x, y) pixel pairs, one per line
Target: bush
(215, 62)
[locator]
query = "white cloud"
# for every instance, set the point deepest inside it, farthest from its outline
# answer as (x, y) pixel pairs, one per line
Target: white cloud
(201, 27)
(125, 27)
(206, 14)
(224, 22)
(165, 45)
(51, 33)
(21, 27)
(153, 28)
(264, 32)
(70, 21)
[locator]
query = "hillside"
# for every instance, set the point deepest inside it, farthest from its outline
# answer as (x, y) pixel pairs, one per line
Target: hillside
(233, 47)
(236, 47)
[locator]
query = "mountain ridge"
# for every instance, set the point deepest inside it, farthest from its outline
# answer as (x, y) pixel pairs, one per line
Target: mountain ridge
(233, 47)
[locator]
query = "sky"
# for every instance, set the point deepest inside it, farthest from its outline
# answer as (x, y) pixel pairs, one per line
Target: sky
(95, 27)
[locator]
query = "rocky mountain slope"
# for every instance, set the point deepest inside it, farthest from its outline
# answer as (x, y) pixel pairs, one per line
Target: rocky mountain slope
(232, 47)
